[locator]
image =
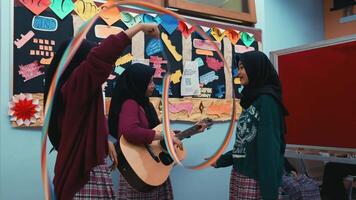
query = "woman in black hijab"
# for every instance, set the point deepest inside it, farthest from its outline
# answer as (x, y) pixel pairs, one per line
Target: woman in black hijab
(133, 116)
(258, 153)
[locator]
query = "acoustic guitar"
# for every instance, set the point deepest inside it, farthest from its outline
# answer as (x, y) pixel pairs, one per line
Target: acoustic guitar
(147, 166)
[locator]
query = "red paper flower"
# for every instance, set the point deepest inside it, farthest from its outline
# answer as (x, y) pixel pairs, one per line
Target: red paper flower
(23, 109)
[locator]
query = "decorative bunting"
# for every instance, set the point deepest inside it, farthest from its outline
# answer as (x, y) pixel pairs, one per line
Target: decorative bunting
(62, 7)
(86, 9)
(36, 6)
(247, 38)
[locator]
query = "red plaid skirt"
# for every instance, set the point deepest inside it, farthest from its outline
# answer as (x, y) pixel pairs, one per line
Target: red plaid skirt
(99, 186)
(126, 192)
(243, 188)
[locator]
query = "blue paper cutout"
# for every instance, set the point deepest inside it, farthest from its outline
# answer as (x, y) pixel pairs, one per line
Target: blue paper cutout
(221, 91)
(208, 77)
(146, 18)
(159, 88)
(169, 23)
(235, 72)
(43, 23)
(119, 70)
(199, 61)
(154, 46)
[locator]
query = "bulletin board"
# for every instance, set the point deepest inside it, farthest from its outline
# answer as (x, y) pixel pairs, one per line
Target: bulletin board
(37, 38)
(318, 83)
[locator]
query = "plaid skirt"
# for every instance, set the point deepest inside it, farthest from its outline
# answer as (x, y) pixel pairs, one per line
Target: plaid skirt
(162, 192)
(243, 188)
(300, 188)
(99, 186)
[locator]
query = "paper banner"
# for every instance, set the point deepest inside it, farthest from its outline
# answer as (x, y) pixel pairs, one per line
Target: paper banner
(217, 34)
(24, 39)
(205, 44)
(42, 23)
(24, 110)
(124, 59)
(214, 64)
(31, 70)
(154, 46)
(204, 52)
(175, 77)
(146, 18)
(243, 49)
(169, 23)
(129, 19)
(86, 9)
(219, 109)
(104, 31)
(181, 107)
(170, 47)
(247, 38)
(110, 16)
(62, 7)
(208, 77)
(186, 31)
(221, 91)
(36, 6)
(233, 36)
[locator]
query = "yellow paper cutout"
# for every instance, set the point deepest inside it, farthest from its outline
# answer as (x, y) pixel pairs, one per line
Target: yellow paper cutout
(176, 76)
(217, 34)
(219, 109)
(111, 15)
(171, 48)
(237, 81)
(204, 52)
(124, 59)
(86, 9)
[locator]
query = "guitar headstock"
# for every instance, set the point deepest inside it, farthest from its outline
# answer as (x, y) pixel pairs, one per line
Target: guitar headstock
(205, 123)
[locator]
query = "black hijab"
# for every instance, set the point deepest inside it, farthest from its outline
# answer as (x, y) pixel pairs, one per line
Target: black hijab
(58, 105)
(132, 84)
(263, 79)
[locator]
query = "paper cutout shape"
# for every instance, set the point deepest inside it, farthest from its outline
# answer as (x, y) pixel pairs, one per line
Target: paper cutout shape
(86, 9)
(119, 70)
(221, 91)
(159, 88)
(204, 52)
(24, 39)
(124, 59)
(146, 18)
(243, 49)
(214, 64)
(169, 23)
(157, 61)
(206, 44)
(110, 16)
(24, 110)
(36, 6)
(233, 36)
(186, 31)
(235, 72)
(190, 80)
(199, 61)
(142, 61)
(46, 61)
(104, 31)
(62, 7)
(208, 77)
(42, 23)
(240, 88)
(205, 93)
(217, 34)
(130, 20)
(247, 38)
(154, 46)
(237, 81)
(181, 107)
(30, 71)
(219, 109)
(175, 77)
(170, 47)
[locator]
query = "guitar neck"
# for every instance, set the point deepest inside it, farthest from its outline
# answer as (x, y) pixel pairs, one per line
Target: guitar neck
(188, 132)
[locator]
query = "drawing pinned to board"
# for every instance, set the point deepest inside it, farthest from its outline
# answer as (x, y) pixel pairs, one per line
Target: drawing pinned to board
(110, 16)
(130, 19)
(243, 49)
(218, 34)
(31, 70)
(213, 63)
(146, 18)
(208, 77)
(175, 77)
(104, 31)
(247, 38)
(86, 9)
(170, 47)
(24, 39)
(62, 7)
(181, 107)
(233, 36)
(42, 23)
(24, 109)
(186, 31)
(154, 46)
(206, 44)
(169, 23)
(36, 6)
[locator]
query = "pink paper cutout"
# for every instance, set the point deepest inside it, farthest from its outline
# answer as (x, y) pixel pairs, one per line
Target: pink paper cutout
(24, 39)
(31, 70)
(243, 49)
(157, 64)
(214, 64)
(36, 6)
(205, 44)
(178, 107)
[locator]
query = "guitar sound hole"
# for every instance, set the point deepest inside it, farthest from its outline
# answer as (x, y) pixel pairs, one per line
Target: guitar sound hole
(165, 158)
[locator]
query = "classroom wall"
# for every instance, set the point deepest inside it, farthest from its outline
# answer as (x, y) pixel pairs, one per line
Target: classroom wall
(284, 24)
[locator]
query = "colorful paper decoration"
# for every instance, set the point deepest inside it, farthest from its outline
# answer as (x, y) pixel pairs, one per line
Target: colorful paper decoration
(204, 52)
(205, 44)
(214, 64)
(208, 77)
(170, 47)
(154, 46)
(217, 34)
(129, 20)
(169, 23)
(110, 16)
(181, 107)
(232, 35)
(243, 49)
(62, 7)
(247, 38)
(24, 110)
(31, 70)
(86, 9)
(186, 31)
(42, 23)
(175, 77)
(24, 39)
(36, 6)
(124, 59)
(146, 18)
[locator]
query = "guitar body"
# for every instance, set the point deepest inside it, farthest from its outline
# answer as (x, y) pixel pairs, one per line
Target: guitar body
(138, 166)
